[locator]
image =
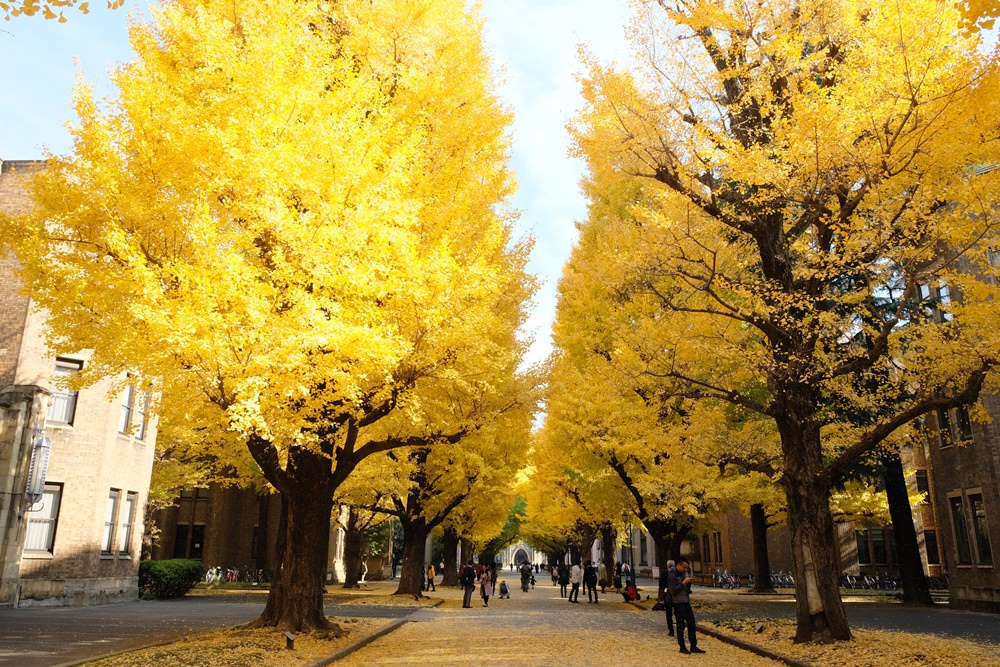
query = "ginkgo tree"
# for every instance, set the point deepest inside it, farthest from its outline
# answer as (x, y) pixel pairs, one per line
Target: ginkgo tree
(818, 170)
(293, 216)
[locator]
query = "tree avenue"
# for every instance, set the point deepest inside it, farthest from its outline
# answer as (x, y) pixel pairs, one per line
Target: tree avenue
(292, 222)
(812, 187)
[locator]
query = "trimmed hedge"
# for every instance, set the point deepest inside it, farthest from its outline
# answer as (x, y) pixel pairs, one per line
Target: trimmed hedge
(163, 579)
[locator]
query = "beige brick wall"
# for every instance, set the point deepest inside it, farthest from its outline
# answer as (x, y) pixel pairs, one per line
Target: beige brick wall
(89, 458)
(13, 305)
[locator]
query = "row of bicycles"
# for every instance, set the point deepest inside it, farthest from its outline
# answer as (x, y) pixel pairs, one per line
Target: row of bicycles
(233, 575)
(727, 580)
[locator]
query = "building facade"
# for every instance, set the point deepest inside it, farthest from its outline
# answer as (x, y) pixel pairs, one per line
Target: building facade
(78, 543)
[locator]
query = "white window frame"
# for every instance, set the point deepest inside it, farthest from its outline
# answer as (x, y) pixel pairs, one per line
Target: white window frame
(43, 520)
(110, 521)
(67, 416)
(128, 521)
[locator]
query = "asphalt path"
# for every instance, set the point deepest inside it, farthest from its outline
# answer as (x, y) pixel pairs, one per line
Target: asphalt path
(47, 637)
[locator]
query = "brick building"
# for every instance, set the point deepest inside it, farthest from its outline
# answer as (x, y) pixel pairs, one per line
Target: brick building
(79, 543)
(233, 527)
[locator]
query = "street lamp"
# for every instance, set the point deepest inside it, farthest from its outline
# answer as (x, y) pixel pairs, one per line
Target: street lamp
(41, 447)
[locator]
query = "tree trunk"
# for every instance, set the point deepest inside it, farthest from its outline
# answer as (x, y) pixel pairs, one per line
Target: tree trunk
(758, 530)
(608, 549)
(260, 548)
(819, 610)
(911, 568)
(411, 575)
(449, 543)
(295, 601)
(353, 547)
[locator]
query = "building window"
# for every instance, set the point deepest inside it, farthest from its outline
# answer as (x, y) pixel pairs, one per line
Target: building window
(981, 530)
(141, 408)
(878, 547)
(643, 549)
(963, 421)
(108, 540)
(944, 427)
(128, 519)
(189, 541)
(864, 552)
(42, 520)
(62, 408)
(718, 546)
(923, 486)
(125, 419)
(706, 554)
(961, 530)
(931, 543)
(132, 419)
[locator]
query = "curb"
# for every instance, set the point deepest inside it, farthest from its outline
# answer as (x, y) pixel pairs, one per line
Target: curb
(343, 653)
(739, 643)
(753, 648)
(365, 641)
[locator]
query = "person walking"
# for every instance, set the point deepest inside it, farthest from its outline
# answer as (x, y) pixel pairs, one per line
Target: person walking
(526, 576)
(430, 577)
(590, 581)
(486, 587)
(576, 578)
(668, 604)
(678, 581)
(602, 576)
(468, 581)
(563, 579)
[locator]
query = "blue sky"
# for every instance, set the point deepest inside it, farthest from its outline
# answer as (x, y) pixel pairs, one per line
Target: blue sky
(534, 44)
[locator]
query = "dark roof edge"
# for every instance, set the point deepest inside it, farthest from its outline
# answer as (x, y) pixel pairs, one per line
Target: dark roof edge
(7, 166)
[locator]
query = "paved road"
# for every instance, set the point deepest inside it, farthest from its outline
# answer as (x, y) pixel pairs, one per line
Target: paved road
(45, 637)
(549, 625)
(861, 613)
(540, 628)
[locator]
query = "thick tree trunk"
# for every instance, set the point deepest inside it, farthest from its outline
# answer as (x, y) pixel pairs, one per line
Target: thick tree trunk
(449, 543)
(608, 549)
(466, 552)
(911, 568)
(762, 565)
(353, 547)
(260, 550)
(819, 610)
(411, 576)
(295, 601)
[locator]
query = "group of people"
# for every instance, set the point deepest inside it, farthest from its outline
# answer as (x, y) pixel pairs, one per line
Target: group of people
(590, 576)
(675, 582)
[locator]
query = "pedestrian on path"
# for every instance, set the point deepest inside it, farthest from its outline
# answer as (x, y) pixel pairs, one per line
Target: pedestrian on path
(563, 579)
(485, 587)
(678, 582)
(430, 577)
(590, 581)
(526, 577)
(576, 578)
(602, 575)
(468, 581)
(668, 604)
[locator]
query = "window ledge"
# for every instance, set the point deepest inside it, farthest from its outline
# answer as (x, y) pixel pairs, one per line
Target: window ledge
(37, 555)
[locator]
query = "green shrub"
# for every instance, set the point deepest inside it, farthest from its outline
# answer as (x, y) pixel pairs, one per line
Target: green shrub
(162, 579)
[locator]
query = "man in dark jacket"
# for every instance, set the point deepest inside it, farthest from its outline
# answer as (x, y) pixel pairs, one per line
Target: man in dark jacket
(678, 581)
(590, 581)
(468, 581)
(668, 603)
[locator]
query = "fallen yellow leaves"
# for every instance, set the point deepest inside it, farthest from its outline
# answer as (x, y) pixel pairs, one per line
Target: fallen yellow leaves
(236, 648)
(870, 648)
